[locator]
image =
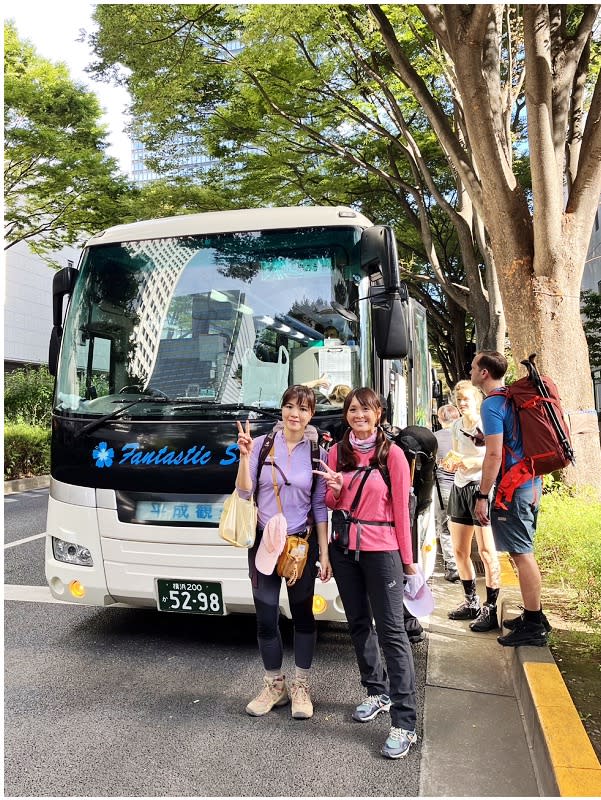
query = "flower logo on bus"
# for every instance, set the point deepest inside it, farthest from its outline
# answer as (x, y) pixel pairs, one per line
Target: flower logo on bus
(103, 455)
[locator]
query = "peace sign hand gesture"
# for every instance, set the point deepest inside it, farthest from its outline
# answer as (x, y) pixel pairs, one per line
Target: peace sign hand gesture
(332, 479)
(245, 442)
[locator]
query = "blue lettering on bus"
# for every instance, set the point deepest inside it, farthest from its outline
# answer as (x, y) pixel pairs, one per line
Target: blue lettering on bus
(132, 453)
(231, 451)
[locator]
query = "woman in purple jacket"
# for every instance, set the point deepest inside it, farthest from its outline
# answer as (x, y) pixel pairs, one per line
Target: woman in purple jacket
(292, 471)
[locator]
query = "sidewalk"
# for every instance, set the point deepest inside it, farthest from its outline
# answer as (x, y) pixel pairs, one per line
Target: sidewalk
(498, 721)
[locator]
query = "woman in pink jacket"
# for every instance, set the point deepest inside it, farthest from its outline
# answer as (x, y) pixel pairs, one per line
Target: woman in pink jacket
(369, 568)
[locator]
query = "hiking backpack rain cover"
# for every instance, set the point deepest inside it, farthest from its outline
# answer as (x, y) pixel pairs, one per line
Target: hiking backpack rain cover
(542, 445)
(545, 434)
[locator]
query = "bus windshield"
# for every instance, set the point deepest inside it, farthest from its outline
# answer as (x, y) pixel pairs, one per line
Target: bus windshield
(218, 321)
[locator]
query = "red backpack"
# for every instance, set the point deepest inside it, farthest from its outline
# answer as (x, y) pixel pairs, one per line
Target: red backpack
(545, 434)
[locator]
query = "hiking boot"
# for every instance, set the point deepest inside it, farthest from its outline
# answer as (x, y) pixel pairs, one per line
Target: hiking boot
(511, 623)
(451, 575)
(371, 707)
(274, 693)
(469, 609)
(486, 619)
(302, 707)
(525, 633)
(398, 743)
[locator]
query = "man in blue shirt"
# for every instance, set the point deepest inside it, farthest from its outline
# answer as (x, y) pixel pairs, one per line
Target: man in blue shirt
(513, 528)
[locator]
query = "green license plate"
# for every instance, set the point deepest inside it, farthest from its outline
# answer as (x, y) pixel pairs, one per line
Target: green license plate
(189, 597)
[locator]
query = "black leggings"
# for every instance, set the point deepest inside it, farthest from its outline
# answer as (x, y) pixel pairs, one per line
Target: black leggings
(266, 596)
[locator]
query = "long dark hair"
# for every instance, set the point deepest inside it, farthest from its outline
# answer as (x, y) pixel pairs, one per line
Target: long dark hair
(347, 459)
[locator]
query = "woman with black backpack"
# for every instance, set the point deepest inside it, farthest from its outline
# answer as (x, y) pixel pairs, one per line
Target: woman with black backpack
(370, 553)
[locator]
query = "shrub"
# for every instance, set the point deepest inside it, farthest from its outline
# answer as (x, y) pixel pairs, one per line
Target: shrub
(26, 450)
(28, 396)
(568, 545)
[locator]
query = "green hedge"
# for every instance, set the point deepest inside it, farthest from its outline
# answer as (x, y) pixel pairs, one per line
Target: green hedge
(26, 451)
(568, 545)
(28, 395)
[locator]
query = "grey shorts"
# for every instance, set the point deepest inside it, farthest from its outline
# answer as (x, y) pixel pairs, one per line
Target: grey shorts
(514, 529)
(462, 500)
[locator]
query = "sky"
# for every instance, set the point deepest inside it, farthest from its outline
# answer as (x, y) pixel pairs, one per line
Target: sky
(53, 27)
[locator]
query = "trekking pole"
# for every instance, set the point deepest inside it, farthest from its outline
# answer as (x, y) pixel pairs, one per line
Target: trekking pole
(534, 376)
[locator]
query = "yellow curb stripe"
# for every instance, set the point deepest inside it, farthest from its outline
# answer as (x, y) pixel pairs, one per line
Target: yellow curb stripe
(575, 764)
(508, 573)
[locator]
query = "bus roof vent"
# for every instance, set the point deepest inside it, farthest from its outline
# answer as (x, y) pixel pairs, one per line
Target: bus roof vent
(347, 213)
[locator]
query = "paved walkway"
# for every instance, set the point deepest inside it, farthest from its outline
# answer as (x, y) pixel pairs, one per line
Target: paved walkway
(498, 721)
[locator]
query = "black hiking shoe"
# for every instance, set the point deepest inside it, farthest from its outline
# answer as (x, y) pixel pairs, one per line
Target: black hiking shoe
(486, 620)
(511, 623)
(529, 634)
(451, 575)
(469, 609)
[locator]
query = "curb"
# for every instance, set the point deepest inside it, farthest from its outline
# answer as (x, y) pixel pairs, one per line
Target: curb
(564, 760)
(25, 484)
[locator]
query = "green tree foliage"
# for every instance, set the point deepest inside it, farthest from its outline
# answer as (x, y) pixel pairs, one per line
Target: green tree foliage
(433, 107)
(59, 183)
(28, 396)
(288, 131)
(591, 308)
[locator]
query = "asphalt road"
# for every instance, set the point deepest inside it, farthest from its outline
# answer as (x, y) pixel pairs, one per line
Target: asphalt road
(120, 702)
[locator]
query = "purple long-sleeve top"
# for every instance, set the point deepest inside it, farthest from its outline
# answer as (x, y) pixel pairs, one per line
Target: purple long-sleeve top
(296, 498)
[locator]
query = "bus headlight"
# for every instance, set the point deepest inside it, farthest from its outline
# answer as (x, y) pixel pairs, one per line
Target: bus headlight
(71, 553)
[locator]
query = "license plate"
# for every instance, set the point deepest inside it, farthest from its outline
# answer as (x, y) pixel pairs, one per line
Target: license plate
(151, 511)
(191, 597)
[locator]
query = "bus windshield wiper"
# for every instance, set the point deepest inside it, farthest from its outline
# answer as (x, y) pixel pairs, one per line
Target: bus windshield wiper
(92, 426)
(188, 404)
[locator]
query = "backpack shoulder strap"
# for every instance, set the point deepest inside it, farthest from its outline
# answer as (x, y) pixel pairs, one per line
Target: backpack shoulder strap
(385, 473)
(315, 463)
(263, 453)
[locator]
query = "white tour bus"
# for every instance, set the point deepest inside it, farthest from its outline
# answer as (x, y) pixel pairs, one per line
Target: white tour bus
(176, 328)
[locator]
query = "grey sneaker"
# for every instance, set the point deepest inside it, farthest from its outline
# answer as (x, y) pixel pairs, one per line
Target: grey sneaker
(371, 707)
(469, 609)
(274, 693)
(486, 620)
(398, 743)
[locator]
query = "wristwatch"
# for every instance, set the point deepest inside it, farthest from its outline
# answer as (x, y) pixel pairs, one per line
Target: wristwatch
(481, 496)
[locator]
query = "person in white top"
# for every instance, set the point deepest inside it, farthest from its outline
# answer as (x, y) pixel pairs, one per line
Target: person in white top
(465, 460)
(447, 415)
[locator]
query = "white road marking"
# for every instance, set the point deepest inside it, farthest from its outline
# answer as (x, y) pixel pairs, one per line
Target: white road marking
(22, 541)
(42, 594)
(32, 594)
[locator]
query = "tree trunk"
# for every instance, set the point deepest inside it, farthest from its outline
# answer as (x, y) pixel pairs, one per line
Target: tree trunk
(543, 317)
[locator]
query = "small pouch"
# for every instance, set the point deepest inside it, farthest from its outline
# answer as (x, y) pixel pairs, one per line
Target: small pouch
(293, 558)
(341, 526)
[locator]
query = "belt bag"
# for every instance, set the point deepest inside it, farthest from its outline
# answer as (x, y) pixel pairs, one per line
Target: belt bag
(341, 526)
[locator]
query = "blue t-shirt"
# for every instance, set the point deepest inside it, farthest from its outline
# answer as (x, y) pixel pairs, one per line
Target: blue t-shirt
(498, 416)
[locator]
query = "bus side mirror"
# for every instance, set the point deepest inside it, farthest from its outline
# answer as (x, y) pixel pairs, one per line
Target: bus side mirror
(379, 254)
(54, 349)
(391, 336)
(63, 283)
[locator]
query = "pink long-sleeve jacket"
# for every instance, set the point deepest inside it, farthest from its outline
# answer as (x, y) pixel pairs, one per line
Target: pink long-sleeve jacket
(376, 504)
